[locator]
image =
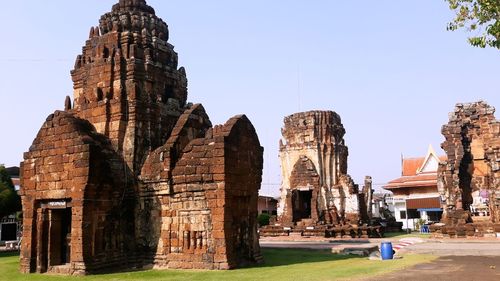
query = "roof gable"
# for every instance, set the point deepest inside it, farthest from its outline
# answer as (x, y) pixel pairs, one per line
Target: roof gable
(430, 163)
(418, 172)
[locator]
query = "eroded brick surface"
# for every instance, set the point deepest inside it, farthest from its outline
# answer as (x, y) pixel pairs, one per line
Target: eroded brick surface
(317, 194)
(131, 174)
(471, 175)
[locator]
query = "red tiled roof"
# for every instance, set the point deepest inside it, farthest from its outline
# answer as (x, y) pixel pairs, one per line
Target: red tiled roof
(411, 165)
(410, 177)
(427, 179)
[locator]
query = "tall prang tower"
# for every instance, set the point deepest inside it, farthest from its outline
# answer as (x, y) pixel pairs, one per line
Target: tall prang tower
(131, 175)
(127, 82)
(316, 189)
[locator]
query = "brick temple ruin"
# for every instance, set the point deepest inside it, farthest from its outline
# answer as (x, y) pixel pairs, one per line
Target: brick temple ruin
(318, 197)
(131, 175)
(469, 181)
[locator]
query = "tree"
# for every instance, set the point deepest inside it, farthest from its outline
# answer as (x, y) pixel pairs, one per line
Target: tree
(10, 202)
(481, 17)
(263, 219)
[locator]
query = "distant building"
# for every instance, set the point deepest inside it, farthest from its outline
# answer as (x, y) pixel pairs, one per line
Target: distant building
(14, 175)
(415, 193)
(268, 205)
(8, 229)
(9, 225)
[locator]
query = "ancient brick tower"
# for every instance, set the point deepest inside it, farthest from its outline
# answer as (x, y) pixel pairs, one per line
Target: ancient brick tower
(131, 174)
(470, 179)
(315, 186)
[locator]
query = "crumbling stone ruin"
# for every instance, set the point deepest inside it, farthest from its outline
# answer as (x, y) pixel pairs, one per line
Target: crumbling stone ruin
(131, 174)
(469, 181)
(317, 195)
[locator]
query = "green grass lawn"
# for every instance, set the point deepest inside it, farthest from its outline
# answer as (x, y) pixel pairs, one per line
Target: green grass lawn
(281, 264)
(404, 235)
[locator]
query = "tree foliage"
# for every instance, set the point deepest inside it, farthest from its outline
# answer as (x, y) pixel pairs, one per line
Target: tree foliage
(481, 18)
(10, 202)
(263, 219)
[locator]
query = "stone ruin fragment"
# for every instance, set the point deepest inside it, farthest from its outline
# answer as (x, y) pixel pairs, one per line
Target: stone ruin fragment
(318, 197)
(130, 174)
(469, 181)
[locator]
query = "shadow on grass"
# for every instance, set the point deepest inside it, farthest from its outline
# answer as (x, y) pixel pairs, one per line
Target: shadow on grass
(395, 234)
(8, 254)
(273, 257)
(281, 257)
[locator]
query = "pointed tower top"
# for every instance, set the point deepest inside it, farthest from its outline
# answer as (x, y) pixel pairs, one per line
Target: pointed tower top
(133, 5)
(133, 16)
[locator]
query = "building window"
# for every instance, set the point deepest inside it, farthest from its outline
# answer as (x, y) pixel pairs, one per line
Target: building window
(413, 214)
(8, 232)
(402, 214)
(434, 216)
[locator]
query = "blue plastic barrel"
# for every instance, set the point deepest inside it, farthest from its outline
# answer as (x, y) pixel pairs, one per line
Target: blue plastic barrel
(386, 251)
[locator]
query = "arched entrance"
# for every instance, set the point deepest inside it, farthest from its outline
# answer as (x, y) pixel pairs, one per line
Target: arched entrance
(301, 204)
(304, 185)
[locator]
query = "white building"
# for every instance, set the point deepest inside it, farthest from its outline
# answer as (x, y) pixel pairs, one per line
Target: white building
(415, 193)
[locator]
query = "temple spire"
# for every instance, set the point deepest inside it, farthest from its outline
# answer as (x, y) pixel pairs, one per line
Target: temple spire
(133, 5)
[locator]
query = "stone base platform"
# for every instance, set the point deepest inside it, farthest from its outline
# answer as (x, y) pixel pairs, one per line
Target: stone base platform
(466, 230)
(327, 231)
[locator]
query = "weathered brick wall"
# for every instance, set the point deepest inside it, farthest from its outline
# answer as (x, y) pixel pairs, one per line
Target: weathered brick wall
(70, 162)
(472, 146)
(56, 167)
(212, 195)
(243, 163)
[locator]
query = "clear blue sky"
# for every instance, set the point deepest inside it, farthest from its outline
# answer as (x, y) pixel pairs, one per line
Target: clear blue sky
(389, 68)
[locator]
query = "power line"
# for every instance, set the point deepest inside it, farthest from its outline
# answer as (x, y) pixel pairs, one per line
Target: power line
(33, 60)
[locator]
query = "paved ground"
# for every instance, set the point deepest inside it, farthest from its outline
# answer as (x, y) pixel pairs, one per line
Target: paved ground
(449, 268)
(449, 247)
(459, 259)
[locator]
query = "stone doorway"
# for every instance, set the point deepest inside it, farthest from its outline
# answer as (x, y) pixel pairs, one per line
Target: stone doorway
(301, 204)
(60, 237)
(54, 237)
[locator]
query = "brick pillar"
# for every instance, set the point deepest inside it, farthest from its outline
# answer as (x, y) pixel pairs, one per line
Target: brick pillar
(41, 231)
